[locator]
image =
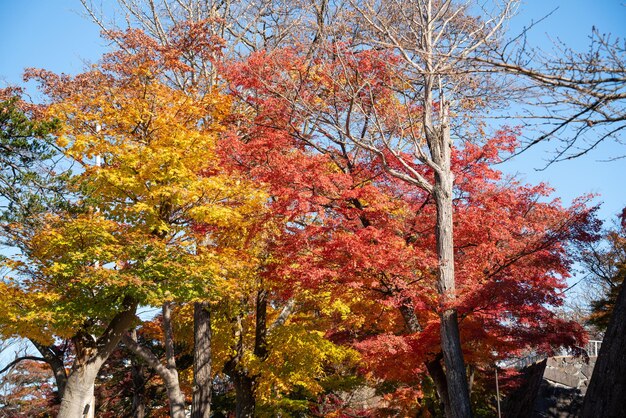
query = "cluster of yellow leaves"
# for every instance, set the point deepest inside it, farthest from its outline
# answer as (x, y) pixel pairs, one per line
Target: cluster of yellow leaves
(153, 204)
(299, 358)
(157, 147)
(22, 312)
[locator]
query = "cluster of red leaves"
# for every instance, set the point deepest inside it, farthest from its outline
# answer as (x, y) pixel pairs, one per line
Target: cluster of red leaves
(28, 391)
(354, 229)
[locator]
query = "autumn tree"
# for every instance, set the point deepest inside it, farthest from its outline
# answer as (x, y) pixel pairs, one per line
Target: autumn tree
(434, 42)
(237, 27)
(442, 59)
(26, 385)
(603, 262)
(158, 175)
(381, 245)
(184, 35)
(202, 33)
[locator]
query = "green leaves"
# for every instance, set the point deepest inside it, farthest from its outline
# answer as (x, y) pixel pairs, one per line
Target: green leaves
(30, 181)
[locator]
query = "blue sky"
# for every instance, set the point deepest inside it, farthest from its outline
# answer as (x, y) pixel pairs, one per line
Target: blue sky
(572, 24)
(55, 34)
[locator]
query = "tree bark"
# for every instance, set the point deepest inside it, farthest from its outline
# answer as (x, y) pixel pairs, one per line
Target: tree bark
(455, 367)
(175, 395)
(260, 332)
(607, 388)
(440, 143)
(203, 380)
(172, 385)
(472, 375)
(138, 408)
(435, 370)
(167, 372)
(91, 354)
(245, 385)
(78, 397)
(244, 395)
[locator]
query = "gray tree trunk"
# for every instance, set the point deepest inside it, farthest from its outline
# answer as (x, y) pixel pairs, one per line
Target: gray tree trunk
(167, 372)
(245, 384)
(138, 408)
(606, 394)
(174, 394)
(245, 402)
(78, 397)
(170, 380)
(440, 144)
(435, 371)
(203, 379)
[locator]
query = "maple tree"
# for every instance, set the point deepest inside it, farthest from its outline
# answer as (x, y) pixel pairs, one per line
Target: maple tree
(376, 234)
(27, 391)
(127, 236)
(151, 190)
(256, 292)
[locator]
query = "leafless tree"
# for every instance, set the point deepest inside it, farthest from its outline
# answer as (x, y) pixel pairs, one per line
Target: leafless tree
(242, 26)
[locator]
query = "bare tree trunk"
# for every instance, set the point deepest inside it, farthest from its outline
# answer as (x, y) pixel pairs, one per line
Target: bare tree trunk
(172, 385)
(174, 394)
(78, 398)
(139, 391)
(176, 398)
(449, 330)
(244, 395)
(245, 384)
(245, 401)
(440, 145)
(167, 372)
(260, 335)
(435, 370)
(203, 380)
(606, 393)
(472, 375)
(441, 385)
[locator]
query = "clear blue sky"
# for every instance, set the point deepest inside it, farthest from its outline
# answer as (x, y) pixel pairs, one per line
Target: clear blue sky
(572, 23)
(54, 34)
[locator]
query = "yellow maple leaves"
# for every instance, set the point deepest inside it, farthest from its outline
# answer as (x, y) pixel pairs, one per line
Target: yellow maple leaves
(146, 206)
